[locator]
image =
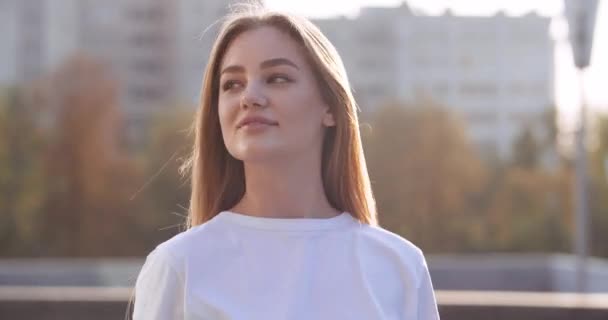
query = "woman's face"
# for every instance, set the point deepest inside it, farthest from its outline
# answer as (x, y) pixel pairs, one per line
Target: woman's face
(269, 102)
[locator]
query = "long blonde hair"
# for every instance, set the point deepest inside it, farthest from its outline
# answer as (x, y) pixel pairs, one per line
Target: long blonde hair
(217, 178)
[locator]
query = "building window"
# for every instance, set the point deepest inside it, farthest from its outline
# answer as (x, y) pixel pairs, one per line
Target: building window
(147, 39)
(147, 93)
(441, 89)
(150, 13)
(528, 89)
(150, 67)
(478, 89)
(486, 117)
(374, 38)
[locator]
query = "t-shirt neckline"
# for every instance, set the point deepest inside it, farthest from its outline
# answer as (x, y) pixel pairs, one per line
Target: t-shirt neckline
(287, 224)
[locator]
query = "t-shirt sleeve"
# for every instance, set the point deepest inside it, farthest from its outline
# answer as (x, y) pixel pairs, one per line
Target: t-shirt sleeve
(427, 305)
(159, 289)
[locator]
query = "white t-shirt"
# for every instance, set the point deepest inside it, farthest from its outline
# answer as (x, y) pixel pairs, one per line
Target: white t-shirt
(240, 267)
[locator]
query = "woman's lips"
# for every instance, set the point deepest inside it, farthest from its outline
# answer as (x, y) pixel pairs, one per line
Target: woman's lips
(256, 125)
(257, 121)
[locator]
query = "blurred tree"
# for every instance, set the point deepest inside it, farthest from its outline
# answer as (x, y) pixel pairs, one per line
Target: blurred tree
(550, 127)
(424, 174)
(527, 206)
(165, 195)
(529, 211)
(89, 180)
(526, 150)
(537, 142)
(598, 193)
(66, 187)
(22, 179)
(432, 188)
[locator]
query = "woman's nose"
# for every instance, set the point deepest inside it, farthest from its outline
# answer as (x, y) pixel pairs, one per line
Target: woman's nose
(253, 96)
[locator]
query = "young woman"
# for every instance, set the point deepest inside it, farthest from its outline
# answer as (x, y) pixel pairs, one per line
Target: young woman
(282, 222)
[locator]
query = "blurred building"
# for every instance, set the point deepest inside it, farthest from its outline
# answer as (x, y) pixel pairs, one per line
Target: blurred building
(8, 49)
(23, 41)
(497, 72)
(134, 38)
(198, 23)
(155, 49)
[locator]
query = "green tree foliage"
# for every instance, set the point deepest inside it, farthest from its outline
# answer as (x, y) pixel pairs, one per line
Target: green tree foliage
(22, 178)
(528, 210)
(88, 177)
(424, 173)
(164, 193)
(432, 187)
(526, 150)
(598, 191)
(66, 186)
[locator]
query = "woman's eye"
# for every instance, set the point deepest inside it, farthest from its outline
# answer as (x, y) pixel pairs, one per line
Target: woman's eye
(229, 85)
(279, 78)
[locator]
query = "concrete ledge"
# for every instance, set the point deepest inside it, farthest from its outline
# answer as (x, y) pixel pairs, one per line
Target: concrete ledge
(97, 303)
(485, 272)
(77, 294)
(63, 310)
(518, 313)
(523, 299)
(444, 297)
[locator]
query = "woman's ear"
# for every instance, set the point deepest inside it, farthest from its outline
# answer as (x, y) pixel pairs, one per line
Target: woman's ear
(328, 119)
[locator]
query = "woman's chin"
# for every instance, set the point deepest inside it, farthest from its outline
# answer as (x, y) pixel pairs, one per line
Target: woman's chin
(258, 154)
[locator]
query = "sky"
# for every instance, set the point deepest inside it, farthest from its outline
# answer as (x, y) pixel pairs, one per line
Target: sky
(566, 83)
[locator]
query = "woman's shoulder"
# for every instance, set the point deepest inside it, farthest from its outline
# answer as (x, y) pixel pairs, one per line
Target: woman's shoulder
(378, 239)
(177, 247)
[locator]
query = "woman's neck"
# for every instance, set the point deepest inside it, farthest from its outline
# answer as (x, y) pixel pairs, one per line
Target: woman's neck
(285, 190)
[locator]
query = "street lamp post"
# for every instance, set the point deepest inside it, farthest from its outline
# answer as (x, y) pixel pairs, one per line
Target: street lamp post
(581, 21)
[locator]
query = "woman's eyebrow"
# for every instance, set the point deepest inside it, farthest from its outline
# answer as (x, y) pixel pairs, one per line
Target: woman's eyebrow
(264, 65)
(233, 69)
(276, 62)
